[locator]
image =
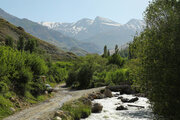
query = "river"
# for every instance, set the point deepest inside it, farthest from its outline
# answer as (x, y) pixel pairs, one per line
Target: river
(109, 111)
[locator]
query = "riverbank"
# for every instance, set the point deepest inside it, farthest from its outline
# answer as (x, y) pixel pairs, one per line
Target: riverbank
(46, 110)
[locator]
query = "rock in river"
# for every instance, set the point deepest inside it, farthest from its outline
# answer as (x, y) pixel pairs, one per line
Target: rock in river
(96, 108)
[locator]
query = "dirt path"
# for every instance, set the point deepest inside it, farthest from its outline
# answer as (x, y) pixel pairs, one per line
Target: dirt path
(44, 110)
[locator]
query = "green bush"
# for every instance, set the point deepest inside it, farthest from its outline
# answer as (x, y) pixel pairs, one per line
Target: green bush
(3, 87)
(117, 77)
(37, 88)
(5, 105)
(78, 109)
(18, 69)
(116, 59)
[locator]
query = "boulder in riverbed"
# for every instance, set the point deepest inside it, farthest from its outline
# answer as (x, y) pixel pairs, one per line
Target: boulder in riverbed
(125, 100)
(108, 93)
(121, 108)
(133, 99)
(96, 108)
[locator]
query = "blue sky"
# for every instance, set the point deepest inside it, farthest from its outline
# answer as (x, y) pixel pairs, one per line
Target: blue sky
(72, 10)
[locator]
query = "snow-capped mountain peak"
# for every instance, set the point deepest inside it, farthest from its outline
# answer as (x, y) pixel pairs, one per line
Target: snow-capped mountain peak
(101, 31)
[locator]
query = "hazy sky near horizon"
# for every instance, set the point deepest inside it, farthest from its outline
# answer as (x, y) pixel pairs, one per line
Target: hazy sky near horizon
(73, 10)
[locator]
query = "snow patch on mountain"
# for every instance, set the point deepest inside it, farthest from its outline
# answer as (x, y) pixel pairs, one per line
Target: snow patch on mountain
(100, 31)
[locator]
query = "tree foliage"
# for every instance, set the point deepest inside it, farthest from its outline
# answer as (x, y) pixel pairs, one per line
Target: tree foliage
(157, 49)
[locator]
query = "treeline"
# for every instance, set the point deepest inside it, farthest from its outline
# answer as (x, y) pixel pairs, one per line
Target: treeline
(155, 58)
(95, 70)
(22, 44)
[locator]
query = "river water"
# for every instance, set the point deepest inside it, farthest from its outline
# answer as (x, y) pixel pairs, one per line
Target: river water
(109, 111)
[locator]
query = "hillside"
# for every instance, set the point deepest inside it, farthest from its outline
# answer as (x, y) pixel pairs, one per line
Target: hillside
(49, 35)
(100, 31)
(7, 29)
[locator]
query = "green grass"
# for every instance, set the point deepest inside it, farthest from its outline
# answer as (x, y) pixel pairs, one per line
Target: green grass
(77, 109)
(5, 105)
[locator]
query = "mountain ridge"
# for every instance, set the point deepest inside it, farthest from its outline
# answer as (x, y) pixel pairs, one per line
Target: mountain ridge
(49, 35)
(101, 31)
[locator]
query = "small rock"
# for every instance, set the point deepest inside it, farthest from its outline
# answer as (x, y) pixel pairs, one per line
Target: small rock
(59, 113)
(57, 118)
(133, 99)
(46, 92)
(121, 108)
(12, 99)
(124, 100)
(108, 93)
(120, 97)
(116, 95)
(12, 109)
(96, 108)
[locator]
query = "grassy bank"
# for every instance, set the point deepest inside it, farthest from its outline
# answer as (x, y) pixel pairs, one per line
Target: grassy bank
(74, 110)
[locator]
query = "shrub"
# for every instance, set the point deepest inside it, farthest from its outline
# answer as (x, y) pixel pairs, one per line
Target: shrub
(3, 87)
(117, 77)
(116, 59)
(37, 88)
(21, 80)
(5, 105)
(78, 109)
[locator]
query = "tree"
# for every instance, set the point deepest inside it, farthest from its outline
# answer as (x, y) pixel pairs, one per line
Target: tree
(157, 49)
(31, 45)
(9, 41)
(21, 43)
(116, 49)
(109, 53)
(116, 59)
(105, 51)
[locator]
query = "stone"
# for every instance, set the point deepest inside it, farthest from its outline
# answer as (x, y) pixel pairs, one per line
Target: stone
(120, 97)
(125, 100)
(133, 100)
(12, 109)
(57, 118)
(12, 99)
(46, 92)
(108, 93)
(60, 114)
(116, 95)
(96, 108)
(121, 108)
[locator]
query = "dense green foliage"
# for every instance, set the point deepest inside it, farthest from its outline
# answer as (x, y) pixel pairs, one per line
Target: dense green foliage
(9, 41)
(21, 73)
(95, 71)
(157, 51)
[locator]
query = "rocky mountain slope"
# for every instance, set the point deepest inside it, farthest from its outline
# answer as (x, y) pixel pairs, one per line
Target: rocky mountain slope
(100, 31)
(7, 29)
(49, 35)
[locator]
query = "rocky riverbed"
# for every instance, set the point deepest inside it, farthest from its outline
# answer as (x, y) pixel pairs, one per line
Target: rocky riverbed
(122, 107)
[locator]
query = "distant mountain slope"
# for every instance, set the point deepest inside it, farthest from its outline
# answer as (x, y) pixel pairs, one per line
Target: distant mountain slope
(49, 35)
(7, 29)
(101, 31)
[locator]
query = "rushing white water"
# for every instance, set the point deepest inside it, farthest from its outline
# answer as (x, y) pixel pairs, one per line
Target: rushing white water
(109, 111)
